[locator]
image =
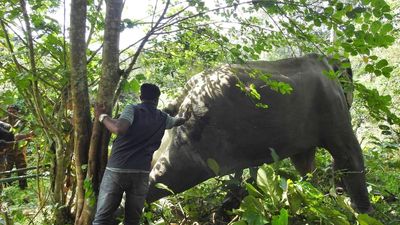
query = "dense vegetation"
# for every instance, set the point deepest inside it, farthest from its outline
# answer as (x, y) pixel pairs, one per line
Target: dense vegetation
(55, 72)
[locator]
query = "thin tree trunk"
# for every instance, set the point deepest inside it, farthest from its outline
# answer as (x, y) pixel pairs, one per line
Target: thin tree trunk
(80, 102)
(108, 83)
(56, 135)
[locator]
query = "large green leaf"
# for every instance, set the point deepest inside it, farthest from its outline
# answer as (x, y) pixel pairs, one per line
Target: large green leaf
(281, 219)
(364, 219)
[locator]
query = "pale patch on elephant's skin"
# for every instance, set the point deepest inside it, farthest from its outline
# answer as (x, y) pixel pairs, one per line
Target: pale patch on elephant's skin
(165, 142)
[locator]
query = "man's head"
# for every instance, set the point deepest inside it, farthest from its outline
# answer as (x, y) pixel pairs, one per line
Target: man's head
(14, 109)
(149, 92)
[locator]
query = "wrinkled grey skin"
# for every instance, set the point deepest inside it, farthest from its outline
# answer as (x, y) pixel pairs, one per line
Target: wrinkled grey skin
(226, 126)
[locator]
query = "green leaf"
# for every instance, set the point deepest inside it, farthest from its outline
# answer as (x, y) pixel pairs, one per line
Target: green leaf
(253, 191)
(378, 72)
(213, 165)
(375, 26)
(140, 77)
(317, 22)
(386, 71)
(369, 68)
(386, 28)
(253, 211)
(367, 17)
(253, 92)
(282, 219)
(274, 155)
(377, 13)
(384, 127)
(163, 187)
(388, 40)
(262, 105)
(364, 219)
(132, 86)
(329, 10)
(373, 57)
(239, 223)
(366, 2)
(381, 63)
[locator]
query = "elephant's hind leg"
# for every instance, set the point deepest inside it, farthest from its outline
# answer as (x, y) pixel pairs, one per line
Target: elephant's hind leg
(304, 162)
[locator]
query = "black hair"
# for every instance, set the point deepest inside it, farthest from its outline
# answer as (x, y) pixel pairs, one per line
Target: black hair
(149, 91)
(13, 106)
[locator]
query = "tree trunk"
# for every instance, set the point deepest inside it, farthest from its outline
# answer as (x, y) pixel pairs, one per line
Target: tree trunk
(80, 103)
(99, 140)
(108, 83)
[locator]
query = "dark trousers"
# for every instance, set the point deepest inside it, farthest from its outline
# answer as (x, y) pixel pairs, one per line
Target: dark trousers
(17, 156)
(113, 185)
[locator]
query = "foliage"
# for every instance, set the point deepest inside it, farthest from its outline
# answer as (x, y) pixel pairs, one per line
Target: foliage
(276, 199)
(194, 36)
(24, 206)
(194, 205)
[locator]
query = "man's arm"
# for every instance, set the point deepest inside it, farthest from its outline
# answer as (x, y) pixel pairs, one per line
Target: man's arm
(28, 136)
(116, 126)
(176, 121)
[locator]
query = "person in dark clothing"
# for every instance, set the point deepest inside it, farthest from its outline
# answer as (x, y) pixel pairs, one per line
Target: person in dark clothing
(16, 154)
(139, 130)
(8, 140)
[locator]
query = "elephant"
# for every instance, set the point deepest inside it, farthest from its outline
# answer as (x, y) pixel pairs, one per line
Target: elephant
(226, 126)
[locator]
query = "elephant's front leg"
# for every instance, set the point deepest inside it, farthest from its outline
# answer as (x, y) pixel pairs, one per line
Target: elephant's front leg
(304, 162)
(349, 160)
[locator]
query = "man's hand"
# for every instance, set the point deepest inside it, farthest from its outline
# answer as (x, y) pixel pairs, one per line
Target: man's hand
(99, 109)
(29, 136)
(181, 120)
(187, 114)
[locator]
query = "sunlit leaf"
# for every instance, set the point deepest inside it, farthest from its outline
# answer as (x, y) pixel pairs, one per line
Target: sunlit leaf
(213, 165)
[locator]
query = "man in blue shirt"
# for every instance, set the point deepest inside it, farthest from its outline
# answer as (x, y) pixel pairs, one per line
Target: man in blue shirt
(139, 130)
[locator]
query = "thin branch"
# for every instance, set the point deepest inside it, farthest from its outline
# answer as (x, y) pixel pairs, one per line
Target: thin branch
(29, 37)
(16, 33)
(10, 48)
(126, 72)
(300, 30)
(64, 38)
(94, 54)
(92, 27)
(144, 40)
(154, 13)
(280, 29)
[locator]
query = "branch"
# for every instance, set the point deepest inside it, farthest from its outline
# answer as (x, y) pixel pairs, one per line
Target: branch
(91, 32)
(64, 38)
(94, 54)
(280, 29)
(16, 33)
(29, 37)
(144, 41)
(126, 72)
(300, 30)
(10, 48)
